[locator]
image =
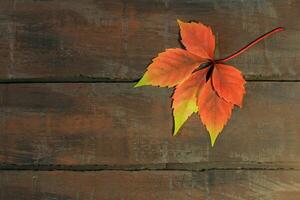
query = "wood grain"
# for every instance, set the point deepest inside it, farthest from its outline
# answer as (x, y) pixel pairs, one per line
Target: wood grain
(110, 141)
(150, 185)
(116, 40)
(116, 124)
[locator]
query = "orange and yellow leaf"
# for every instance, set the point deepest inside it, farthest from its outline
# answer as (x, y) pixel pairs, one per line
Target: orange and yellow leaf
(213, 111)
(185, 98)
(170, 68)
(202, 83)
(228, 82)
(197, 39)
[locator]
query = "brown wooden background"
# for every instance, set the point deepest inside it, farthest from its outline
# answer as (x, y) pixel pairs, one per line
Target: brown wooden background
(73, 127)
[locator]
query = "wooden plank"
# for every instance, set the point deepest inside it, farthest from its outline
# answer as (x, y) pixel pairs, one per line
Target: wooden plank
(116, 124)
(61, 39)
(165, 185)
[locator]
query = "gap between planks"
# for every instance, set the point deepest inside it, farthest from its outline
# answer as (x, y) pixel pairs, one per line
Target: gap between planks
(104, 80)
(195, 167)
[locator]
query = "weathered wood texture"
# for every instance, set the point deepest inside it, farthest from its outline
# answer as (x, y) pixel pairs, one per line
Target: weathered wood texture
(116, 124)
(111, 126)
(150, 185)
(108, 39)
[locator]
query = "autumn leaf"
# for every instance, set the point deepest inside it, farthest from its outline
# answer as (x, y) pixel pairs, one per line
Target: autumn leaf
(165, 69)
(228, 83)
(213, 110)
(202, 83)
(185, 98)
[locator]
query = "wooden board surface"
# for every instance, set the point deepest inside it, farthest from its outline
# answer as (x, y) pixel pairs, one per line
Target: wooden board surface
(66, 140)
(115, 40)
(116, 124)
(150, 185)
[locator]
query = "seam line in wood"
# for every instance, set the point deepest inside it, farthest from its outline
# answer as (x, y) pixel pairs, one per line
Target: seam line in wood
(40, 81)
(153, 167)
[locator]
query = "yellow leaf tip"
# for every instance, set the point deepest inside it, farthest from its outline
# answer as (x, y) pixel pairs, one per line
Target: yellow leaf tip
(138, 84)
(212, 142)
(176, 129)
(179, 21)
(213, 137)
(178, 122)
(143, 81)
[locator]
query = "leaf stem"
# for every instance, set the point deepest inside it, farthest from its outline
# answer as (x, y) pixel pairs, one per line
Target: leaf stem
(245, 48)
